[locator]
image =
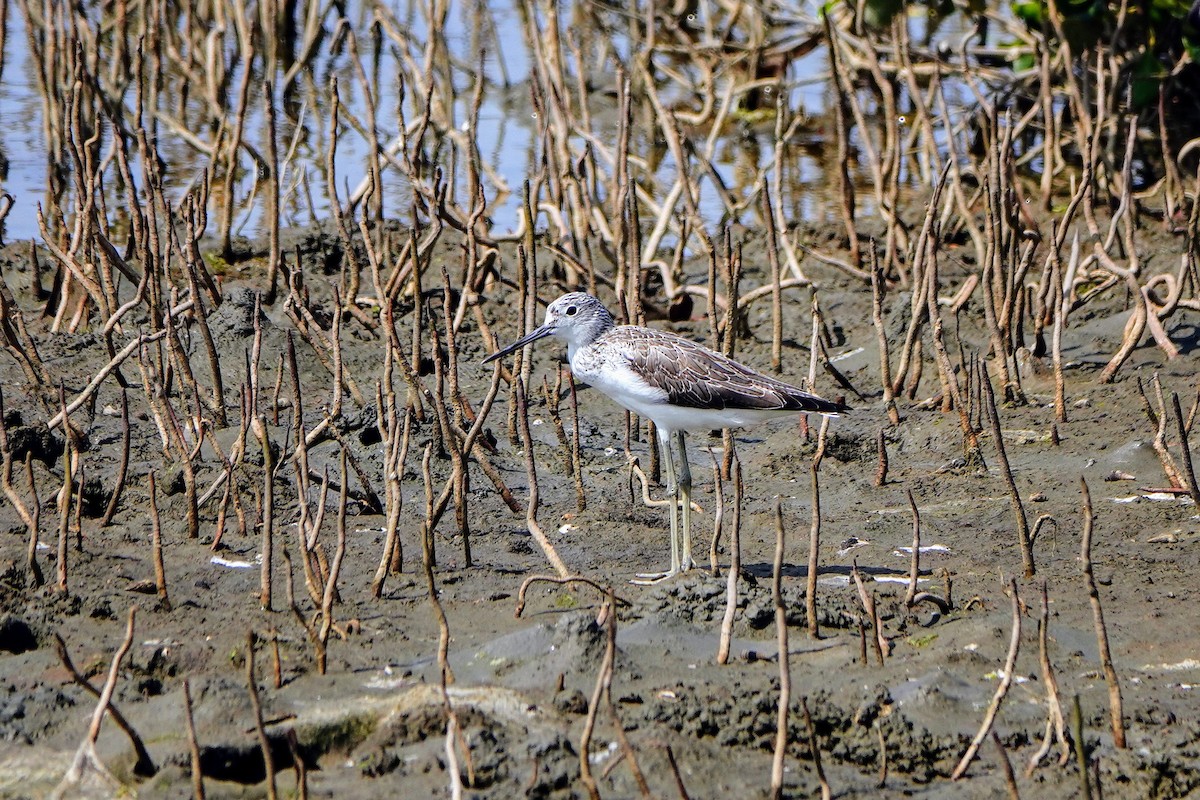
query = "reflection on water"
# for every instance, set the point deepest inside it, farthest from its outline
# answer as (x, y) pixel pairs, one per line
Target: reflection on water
(507, 124)
(303, 124)
(408, 54)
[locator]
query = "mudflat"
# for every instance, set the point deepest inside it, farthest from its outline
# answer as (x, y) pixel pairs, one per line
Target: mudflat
(375, 723)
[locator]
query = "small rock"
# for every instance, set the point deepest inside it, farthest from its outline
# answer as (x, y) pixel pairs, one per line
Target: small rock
(572, 702)
(34, 440)
(102, 610)
(759, 615)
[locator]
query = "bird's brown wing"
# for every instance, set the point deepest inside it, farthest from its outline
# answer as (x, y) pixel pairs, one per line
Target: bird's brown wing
(693, 376)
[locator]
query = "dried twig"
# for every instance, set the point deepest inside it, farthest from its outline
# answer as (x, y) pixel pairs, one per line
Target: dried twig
(1018, 508)
(256, 704)
(1010, 779)
(276, 659)
(84, 396)
(532, 579)
(879, 641)
(268, 514)
(815, 751)
(31, 562)
(123, 468)
(6, 471)
(160, 574)
(427, 561)
(535, 529)
(1060, 295)
(674, 767)
(885, 364)
(576, 453)
(785, 674)
(814, 537)
(1089, 579)
(1055, 725)
(589, 725)
(718, 515)
(1158, 419)
(627, 752)
(881, 782)
(193, 745)
(31, 520)
(1185, 448)
(335, 568)
(1080, 747)
(912, 597)
(144, 765)
(86, 762)
(914, 569)
(64, 508)
(735, 567)
(881, 470)
(299, 764)
(1006, 678)
(309, 627)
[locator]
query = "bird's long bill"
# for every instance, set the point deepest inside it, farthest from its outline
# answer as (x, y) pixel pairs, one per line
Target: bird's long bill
(532, 336)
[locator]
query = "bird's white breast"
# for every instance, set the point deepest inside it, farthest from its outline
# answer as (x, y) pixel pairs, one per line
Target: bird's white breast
(609, 372)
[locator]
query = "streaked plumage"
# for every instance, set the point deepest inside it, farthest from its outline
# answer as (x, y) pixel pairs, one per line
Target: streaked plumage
(678, 384)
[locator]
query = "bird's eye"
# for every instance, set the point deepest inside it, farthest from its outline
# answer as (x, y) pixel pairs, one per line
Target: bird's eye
(571, 311)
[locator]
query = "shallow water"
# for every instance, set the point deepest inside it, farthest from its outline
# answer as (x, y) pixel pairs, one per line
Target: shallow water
(507, 127)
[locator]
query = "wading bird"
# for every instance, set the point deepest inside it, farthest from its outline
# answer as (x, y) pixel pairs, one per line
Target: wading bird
(674, 382)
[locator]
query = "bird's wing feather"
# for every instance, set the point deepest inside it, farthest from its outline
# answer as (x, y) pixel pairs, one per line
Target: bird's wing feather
(694, 376)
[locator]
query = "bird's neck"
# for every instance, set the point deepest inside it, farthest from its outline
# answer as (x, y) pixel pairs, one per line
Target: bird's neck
(588, 336)
(573, 349)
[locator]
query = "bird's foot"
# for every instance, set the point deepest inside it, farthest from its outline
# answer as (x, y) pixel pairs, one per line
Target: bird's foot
(651, 578)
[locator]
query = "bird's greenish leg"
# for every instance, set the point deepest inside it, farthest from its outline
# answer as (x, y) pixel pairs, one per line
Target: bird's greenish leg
(684, 482)
(664, 446)
(668, 458)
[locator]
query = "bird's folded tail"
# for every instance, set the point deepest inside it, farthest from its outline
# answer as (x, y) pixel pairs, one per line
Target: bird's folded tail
(810, 403)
